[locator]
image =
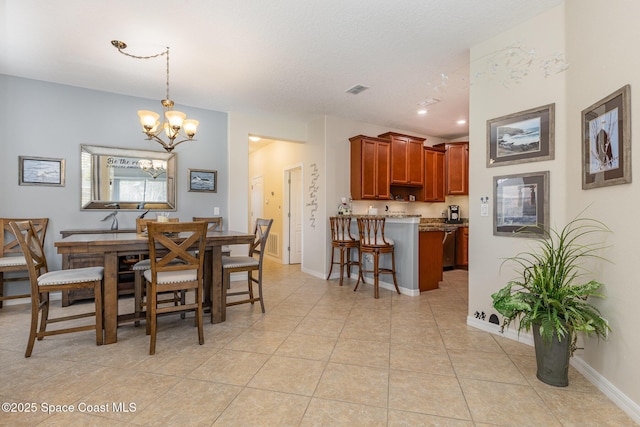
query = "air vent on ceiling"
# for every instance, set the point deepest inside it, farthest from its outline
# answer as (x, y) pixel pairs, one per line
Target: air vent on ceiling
(356, 89)
(428, 101)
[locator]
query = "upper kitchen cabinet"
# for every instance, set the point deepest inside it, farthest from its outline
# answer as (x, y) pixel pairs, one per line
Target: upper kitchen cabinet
(456, 167)
(370, 168)
(434, 179)
(407, 159)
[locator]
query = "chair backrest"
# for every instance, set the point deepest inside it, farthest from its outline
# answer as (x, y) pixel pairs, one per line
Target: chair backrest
(215, 223)
(31, 246)
(9, 244)
(261, 231)
(163, 248)
(141, 223)
(371, 231)
(341, 229)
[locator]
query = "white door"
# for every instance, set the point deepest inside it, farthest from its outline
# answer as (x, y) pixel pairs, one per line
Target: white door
(295, 216)
(257, 197)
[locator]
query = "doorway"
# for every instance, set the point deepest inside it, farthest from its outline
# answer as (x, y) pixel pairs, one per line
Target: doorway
(257, 198)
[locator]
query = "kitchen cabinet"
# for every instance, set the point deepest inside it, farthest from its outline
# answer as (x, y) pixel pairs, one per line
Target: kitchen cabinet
(434, 180)
(370, 168)
(456, 168)
(462, 247)
(407, 160)
(80, 260)
(430, 259)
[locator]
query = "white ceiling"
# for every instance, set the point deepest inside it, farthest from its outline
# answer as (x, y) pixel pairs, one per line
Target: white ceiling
(290, 57)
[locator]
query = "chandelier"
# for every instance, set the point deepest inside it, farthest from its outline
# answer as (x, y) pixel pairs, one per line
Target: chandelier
(174, 123)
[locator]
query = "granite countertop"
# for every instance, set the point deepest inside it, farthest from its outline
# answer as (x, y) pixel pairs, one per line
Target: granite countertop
(439, 224)
(385, 216)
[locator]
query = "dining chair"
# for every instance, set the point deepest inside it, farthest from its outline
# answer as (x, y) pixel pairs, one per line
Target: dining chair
(215, 224)
(373, 241)
(342, 240)
(138, 270)
(11, 258)
(248, 264)
(174, 267)
(43, 282)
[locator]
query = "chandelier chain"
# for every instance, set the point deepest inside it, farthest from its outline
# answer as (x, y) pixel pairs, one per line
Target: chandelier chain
(166, 52)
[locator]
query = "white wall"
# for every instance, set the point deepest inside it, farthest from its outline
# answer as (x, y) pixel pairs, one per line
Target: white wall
(600, 63)
(51, 120)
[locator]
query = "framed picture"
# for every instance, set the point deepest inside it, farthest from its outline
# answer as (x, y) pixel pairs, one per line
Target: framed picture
(521, 204)
(41, 171)
(527, 136)
(203, 180)
(606, 146)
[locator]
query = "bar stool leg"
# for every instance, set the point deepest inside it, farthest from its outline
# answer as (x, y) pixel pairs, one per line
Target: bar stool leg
(333, 250)
(393, 271)
(376, 274)
(342, 249)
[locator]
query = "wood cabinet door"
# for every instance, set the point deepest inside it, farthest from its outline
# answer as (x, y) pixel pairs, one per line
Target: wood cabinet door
(383, 170)
(462, 247)
(369, 166)
(434, 185)
(415, 163)
(399, 158)
(457, 169)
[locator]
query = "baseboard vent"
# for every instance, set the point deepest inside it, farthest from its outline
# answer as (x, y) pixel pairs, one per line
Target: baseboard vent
(273, 245)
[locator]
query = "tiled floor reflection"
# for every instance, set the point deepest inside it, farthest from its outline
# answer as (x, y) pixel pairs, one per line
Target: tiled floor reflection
(322, 355)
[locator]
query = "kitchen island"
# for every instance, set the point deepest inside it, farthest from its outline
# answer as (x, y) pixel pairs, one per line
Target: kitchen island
(418, 252)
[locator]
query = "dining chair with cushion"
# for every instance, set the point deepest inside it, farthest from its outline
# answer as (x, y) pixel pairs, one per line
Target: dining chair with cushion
(43, 282)
(342, 240)
(11, 258)
(247, 264)
(138, 270)
(373, 241)
(214, 224)
(175, 267)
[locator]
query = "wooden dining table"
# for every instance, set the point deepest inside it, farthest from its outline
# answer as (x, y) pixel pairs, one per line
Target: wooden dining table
(106, 248)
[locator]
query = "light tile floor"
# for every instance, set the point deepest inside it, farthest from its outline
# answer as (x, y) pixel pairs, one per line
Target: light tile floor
(322, 355)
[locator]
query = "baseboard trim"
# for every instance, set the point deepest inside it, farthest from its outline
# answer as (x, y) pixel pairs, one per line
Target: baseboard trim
(621, 400)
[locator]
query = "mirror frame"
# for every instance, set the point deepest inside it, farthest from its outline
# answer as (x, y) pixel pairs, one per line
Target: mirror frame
(94, 150)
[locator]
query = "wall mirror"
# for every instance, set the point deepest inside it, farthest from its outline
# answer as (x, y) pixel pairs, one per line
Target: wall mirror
(120, 178)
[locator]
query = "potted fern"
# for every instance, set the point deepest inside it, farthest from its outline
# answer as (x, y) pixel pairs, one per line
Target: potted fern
(551, 295)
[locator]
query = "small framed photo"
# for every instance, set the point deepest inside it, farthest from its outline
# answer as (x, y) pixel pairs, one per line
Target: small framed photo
(606, 146)
(521, 204)
(527, 136)
(41, 171)
(203, 180)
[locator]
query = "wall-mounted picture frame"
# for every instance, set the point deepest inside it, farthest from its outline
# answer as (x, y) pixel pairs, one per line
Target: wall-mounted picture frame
(202, 180)
(606, 141)
(521, 204)
(526, 136)
(45, 171)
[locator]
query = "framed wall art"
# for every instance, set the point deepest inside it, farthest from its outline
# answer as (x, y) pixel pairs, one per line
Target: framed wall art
(203, 180)
(521, 204)
(41, 171)
(606, 145)
(527, 136)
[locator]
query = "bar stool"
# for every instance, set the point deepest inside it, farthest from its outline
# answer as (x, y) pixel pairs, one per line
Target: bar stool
(342, 239)
(372, 240)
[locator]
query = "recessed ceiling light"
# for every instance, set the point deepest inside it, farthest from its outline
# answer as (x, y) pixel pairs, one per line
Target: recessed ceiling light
(422, 111)
(254, 138)
(461, 122)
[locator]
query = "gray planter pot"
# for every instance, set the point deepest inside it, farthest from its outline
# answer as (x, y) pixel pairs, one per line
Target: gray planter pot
(552, 358)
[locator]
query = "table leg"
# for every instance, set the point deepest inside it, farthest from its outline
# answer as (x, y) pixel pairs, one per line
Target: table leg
(110, 299)
(215, 294)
